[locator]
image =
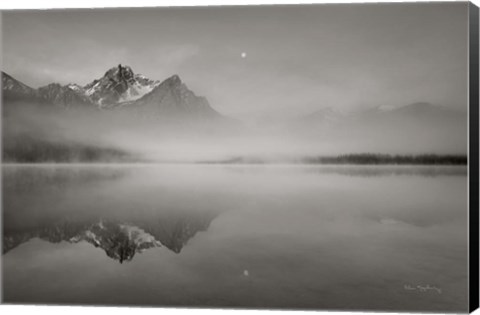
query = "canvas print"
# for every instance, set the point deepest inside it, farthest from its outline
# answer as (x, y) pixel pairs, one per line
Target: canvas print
(278, 157)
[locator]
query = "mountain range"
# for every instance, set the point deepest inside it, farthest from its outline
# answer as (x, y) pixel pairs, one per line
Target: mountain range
(415, 128)
(118, 88)
(121, 88)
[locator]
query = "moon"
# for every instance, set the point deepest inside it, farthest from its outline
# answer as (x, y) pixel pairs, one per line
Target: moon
(243, 55)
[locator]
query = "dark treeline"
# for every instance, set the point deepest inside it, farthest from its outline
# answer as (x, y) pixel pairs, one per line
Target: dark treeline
(26, 150)
(371, 158)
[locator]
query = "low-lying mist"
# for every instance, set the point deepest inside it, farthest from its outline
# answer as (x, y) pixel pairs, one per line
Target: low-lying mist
(41, 133)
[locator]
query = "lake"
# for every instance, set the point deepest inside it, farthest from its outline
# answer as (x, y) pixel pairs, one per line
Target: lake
(240, 236)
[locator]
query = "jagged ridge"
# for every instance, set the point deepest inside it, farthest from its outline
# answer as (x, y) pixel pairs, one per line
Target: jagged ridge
(121, 88)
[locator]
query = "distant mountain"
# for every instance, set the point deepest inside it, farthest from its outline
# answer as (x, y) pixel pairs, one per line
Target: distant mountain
(118, 88)
(63, 96)
(325, 116)
(172, 98)
(14, 90)
(417, 111)
(419, 108)
(55, 94)
(425, 115)
(414, 128)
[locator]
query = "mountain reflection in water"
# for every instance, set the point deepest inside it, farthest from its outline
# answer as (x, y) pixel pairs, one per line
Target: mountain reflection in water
(101, 207)
(273, 236)
(120, 240)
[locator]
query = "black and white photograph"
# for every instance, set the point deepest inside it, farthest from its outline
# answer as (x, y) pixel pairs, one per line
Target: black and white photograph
(284, 157)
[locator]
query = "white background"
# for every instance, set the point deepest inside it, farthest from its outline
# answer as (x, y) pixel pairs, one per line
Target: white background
(76, 310)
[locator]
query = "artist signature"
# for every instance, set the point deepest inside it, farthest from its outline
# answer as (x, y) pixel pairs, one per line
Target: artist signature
(422, 288)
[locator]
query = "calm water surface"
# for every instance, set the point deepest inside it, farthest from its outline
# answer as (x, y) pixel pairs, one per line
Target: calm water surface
(376, 238)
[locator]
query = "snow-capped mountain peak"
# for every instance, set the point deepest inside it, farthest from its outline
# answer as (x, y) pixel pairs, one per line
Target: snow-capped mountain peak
(119, 84)
(75, 87)
(120, 88)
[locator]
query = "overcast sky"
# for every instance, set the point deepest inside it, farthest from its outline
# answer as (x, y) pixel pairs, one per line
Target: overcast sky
(298, 58)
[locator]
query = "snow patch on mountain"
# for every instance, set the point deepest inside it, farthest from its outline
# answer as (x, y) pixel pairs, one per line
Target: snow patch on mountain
(118, 85)
(137, 91)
